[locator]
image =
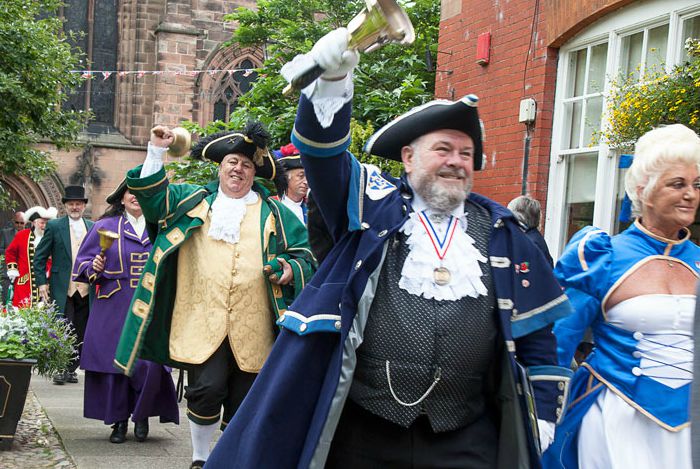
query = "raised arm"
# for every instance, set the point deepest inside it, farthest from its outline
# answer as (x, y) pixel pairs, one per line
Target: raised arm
(322, 132)
(149, 182)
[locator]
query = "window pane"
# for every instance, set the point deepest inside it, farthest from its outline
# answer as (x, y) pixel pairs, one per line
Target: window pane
(657, 45)
(574, 111)
(691, 28)
(104, 57)
(596, 70)
(75, 26)
(619, 226)
(594, 111)
(245, 79)
(577, 72)
(631, 56)
(580, 192)
(220, 111)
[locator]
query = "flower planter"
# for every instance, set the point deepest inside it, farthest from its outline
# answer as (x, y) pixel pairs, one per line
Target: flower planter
(14, 383)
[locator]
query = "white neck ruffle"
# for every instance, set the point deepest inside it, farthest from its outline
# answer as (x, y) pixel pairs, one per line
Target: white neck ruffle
(461, 259)
(227, 214)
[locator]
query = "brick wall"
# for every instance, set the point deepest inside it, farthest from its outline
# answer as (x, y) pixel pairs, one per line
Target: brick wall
(512, 74)
(523, 64)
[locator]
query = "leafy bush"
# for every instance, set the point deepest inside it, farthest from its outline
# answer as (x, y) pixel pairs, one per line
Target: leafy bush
(37, 332)
(637, 107)
(388, 82)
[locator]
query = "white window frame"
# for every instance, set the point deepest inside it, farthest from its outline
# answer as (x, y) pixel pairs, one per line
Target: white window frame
(633, 18)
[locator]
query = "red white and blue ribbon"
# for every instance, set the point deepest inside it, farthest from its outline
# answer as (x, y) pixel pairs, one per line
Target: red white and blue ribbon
(440, 245)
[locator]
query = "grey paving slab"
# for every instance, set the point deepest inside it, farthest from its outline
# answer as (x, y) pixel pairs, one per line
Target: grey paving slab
(86, 440)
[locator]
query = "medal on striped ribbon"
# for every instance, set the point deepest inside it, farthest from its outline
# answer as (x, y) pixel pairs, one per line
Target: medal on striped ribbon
(441, 275)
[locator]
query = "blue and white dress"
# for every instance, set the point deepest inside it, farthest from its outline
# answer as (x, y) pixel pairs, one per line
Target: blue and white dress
(628, 405)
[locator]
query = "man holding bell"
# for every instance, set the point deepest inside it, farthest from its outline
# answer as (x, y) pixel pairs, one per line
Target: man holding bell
(203, 302)
(424, 340)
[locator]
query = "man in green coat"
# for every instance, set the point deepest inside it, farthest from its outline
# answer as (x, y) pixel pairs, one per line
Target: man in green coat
(61, 241)
(226, 262)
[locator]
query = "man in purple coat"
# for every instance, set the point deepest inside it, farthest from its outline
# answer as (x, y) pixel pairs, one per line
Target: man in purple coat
(109, 395)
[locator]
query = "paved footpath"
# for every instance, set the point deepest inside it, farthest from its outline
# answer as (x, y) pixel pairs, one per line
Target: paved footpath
(54, 434)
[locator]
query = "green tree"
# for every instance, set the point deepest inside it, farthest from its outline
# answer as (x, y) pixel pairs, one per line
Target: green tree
(388, 81)
(35, 65)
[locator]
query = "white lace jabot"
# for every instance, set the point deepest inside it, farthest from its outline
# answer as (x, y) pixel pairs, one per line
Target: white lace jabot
(462, 258)
(227, 214)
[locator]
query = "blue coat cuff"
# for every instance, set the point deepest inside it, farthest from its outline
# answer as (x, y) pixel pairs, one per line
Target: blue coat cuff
(526, 322)
(302, 325)
(551, 387)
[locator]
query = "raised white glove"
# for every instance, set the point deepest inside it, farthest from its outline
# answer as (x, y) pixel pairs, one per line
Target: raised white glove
(332, 54)
(546, 430)
(12, 274)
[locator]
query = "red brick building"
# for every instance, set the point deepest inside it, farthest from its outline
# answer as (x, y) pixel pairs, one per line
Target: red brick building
(562, 54)
(150, 52)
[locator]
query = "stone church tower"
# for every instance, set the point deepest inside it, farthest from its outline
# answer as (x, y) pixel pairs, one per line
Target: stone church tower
(151, 62)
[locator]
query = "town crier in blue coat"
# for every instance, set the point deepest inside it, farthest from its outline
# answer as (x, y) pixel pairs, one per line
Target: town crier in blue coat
(109, 395)
(425, 338)
(206, 301)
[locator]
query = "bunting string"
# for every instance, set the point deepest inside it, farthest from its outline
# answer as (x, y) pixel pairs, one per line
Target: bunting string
(105, 74)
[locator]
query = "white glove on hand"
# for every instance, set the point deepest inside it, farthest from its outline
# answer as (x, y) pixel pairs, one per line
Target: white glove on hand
(12, 274)
(332, 54)
(546, 430)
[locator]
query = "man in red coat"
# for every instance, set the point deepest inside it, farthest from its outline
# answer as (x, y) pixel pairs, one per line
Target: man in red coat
(20, 254)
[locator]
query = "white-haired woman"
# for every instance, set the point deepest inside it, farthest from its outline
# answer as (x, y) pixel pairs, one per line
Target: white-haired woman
(628, 404)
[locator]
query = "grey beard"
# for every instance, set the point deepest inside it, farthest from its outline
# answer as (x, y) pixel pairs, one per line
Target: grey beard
(441, 201)
(38, 232)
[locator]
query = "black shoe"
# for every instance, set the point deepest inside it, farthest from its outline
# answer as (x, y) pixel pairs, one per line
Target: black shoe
(59, 378)
(198, 464)
(119, 432)
(141, 430)
(71, 377)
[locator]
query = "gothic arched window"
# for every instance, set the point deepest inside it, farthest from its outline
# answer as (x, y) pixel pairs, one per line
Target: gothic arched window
(231, 86)
(91, 25)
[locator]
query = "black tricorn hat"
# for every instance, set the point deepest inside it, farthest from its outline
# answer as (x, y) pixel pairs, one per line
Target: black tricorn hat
(74, 193)
(251, 142)
(288, 158)
(116, 195)
(435, 115)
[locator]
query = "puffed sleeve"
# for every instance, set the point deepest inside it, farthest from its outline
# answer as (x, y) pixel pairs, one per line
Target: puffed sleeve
(571, 330)
(585, 263)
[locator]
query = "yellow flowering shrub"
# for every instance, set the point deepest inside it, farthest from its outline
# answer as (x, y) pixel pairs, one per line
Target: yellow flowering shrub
(635, 107)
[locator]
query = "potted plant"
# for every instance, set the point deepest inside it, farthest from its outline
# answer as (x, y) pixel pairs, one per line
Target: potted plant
(30, 337)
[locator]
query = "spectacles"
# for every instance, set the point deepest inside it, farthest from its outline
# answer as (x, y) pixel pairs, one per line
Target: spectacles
(21, 223)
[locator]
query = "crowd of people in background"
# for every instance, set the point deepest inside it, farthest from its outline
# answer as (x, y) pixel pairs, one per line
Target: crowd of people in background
(366, 320)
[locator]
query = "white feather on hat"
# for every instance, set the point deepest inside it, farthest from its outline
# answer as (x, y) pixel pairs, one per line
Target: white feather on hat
(40, 212)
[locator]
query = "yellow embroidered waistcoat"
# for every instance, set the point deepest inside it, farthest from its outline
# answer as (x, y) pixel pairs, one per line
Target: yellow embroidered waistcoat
(221, 293)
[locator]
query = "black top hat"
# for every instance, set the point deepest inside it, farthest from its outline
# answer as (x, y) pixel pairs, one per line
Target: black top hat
(74, 193)
(116, 195)
(441, 114)
(251, 142)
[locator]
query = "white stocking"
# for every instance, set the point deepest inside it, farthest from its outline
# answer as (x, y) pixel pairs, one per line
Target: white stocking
(201, 440)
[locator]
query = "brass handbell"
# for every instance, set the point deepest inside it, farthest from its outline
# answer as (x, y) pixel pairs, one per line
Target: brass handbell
(106, 239)
(181, 143)
(380, 22)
